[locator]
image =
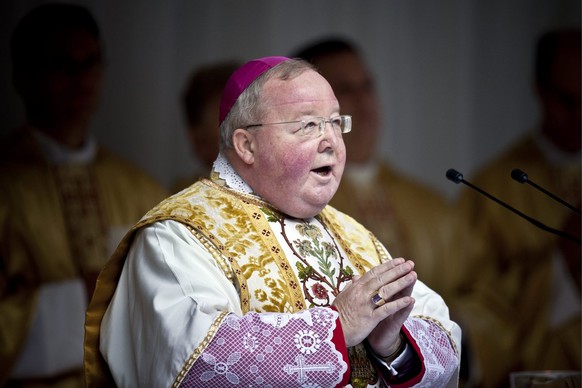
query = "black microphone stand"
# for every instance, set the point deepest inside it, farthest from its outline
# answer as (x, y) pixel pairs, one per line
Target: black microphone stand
(456, 177)
(522, 177)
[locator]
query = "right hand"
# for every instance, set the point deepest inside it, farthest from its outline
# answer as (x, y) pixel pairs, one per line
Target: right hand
(359, 316)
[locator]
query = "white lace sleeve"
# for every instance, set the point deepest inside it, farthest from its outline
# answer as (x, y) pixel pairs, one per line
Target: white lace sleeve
(271, 350)
(440, 357)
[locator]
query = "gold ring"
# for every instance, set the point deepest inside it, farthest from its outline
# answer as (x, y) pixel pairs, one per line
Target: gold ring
(378, 300)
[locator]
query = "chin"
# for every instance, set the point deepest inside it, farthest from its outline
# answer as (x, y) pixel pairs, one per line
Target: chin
(305, 211)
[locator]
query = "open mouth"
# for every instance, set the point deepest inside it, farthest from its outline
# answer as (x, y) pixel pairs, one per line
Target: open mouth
(323, 171)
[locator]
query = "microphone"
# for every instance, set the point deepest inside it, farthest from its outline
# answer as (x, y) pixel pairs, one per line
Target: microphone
(522, 177)
(456, 177)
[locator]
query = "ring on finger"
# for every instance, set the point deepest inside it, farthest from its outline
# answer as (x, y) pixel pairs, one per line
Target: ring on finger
(378, 300)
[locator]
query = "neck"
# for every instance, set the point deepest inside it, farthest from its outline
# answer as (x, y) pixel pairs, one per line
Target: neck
(68, 127)
(70, 135)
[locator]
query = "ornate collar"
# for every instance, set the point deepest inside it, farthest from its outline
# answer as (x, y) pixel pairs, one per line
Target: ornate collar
(222, 170)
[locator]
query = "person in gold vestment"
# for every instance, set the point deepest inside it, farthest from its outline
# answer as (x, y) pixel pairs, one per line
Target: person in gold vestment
(200, 106)
(521, 305)
(65, 201)
(249, 278)
(401, 211)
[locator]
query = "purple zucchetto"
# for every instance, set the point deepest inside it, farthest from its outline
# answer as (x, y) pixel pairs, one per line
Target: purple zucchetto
(241, 79)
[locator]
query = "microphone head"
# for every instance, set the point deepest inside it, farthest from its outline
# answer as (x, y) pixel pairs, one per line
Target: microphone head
(454, 176)
(519, 175)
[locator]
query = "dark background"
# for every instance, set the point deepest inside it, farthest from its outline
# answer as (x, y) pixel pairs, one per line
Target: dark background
(454, 76)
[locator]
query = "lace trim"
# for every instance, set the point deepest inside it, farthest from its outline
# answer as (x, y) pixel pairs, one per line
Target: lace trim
(440, 325)
(230, 177)
(438, 350)
(271, 350)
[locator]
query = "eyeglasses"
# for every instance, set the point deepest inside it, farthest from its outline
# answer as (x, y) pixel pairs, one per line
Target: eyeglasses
(340, 124)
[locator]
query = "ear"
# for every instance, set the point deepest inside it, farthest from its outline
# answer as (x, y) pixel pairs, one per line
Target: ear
(244, 144)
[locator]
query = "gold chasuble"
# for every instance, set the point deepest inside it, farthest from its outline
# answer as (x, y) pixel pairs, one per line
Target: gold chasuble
(276, 264)
(235, 228)
(521, 299)
(58, 223)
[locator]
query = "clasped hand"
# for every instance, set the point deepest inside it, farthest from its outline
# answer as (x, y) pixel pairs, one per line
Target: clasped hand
(361, 318)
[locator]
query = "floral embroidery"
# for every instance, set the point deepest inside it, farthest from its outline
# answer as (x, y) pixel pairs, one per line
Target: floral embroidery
(320, 265)
(309, 230)
(319, 291)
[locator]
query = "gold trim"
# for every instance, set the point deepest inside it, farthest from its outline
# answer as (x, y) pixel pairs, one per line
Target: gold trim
(260, 223)
(448, 333)
(227, 264)
(246, 198)
(382, 252)
(214, 251)
(331, 224)
(200, 348)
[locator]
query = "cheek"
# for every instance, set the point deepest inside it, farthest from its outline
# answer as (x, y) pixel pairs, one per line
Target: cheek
(290, 163)
(297, 163)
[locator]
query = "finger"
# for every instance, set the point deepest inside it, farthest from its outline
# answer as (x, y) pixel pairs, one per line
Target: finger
(376, 275)
(398, 288)
(391, 275)
(398, 308)
(407, 291)
(391, 323)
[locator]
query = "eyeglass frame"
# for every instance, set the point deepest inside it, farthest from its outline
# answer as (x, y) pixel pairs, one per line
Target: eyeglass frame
(322, 123)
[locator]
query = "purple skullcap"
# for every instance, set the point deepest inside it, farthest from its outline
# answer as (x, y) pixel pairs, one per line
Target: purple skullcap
(242, 78)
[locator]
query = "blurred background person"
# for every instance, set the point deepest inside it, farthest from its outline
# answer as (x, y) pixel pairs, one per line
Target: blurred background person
(522, 302)
(406, 215)
(200, 103)
(64, 200)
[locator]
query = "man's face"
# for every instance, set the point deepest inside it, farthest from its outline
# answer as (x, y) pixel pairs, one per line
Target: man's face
(298, 175)
(354, 88)
(67, 86)
(561, 101)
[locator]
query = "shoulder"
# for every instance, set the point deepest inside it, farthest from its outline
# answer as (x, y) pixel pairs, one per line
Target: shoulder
(340, 219)
(186, 206)
(519, 153)
(19, 146)
(121, 171)
(347, 228)
(109, 159)
(410, 194)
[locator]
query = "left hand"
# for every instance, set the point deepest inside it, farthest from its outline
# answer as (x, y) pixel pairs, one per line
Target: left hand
(385, 338)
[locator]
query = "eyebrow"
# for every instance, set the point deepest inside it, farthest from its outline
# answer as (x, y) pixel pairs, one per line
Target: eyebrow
(311, 112)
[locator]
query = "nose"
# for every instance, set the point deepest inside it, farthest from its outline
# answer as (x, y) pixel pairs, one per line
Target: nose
(329, 138)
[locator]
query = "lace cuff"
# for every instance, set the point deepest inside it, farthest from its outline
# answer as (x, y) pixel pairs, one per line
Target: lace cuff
(272, 349)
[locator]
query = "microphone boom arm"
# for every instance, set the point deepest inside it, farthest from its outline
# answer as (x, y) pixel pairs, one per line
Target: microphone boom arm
(521, 177)
(456, 177)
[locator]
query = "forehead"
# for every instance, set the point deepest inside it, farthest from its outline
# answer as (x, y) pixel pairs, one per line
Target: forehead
(69, 43)
(308, 93)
